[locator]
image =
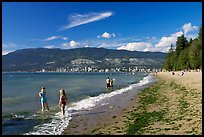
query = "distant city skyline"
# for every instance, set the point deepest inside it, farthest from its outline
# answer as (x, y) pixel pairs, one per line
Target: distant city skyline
(134, 26)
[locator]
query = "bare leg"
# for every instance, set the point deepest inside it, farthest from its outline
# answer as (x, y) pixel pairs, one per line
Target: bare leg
(42, 106)
(47, 105)
(62, 109)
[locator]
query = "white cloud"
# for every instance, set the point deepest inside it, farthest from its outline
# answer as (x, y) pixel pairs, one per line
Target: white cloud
(142, 46)
(164, 43)
(110, 44)
(162, 46)
(167, 41)
(52, 38)
(49, 46)
(72, 43)
(106, 35)
(80, 19)
(188, 27)
(136, 46)
(5, 52)
(9, 47)
(190, 31)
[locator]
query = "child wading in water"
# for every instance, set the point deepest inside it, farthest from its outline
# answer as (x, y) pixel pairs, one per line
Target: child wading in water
(43, 99)
(62, 100)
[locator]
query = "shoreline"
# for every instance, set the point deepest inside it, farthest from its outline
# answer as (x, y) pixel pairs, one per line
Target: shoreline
(180, 97)
(87, 122)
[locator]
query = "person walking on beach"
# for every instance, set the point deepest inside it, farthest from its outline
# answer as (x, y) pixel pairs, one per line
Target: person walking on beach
(62, 100)
(108, 82)
(43, 99)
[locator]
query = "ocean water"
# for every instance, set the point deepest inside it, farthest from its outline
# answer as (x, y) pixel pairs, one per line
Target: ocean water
(21, 109)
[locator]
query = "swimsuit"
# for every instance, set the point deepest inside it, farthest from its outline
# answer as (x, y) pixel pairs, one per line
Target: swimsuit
(108, 82)
(63, 100)
(43, 97)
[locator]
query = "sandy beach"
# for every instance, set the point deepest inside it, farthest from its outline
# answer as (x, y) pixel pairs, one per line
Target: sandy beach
(171, 106)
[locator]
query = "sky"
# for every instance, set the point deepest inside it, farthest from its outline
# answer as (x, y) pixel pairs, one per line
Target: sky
(133, 26)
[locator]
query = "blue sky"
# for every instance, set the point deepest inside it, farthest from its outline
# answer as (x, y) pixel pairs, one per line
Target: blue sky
(134, 26)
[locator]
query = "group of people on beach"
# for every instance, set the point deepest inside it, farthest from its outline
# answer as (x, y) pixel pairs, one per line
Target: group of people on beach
(181, 74)
(44, 102)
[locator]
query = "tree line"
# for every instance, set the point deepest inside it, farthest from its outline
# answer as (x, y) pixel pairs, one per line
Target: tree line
(186, 55)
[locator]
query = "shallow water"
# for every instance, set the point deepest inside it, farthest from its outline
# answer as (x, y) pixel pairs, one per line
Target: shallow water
(21, 106)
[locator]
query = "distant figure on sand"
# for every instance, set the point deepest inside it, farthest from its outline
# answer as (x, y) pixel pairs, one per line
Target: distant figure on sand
(182, 73)
(43, 99)
(156, 73)
(108, 82)
(62, 100)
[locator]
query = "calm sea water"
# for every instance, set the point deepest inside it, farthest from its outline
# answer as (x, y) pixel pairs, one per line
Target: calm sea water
(21, 107)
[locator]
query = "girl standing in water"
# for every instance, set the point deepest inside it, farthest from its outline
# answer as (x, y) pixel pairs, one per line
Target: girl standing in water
(62, 100)
(43, 99)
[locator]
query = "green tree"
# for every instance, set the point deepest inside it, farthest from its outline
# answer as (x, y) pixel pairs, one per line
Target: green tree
(183, 60)
(195, 51)
(194, 54)
(181, 43)
(200, 34)
(173, 61)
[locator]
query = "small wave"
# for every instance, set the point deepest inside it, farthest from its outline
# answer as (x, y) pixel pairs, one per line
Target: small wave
(21, 115)
(59, 123)
(55, 127)
(146, 80)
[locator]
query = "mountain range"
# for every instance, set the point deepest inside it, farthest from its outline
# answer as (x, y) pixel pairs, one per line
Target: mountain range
(34, 59)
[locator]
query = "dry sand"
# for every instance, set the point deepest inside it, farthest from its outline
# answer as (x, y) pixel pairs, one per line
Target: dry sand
(111, 119)
(191, 80)
(191, 121)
